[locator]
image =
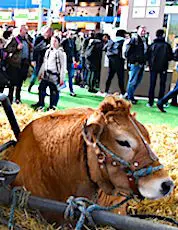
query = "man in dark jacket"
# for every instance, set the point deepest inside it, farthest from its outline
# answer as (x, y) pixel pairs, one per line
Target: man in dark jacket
(40, 47)
(69, 47)
(159, 54)
(93, 57)
(136, 56)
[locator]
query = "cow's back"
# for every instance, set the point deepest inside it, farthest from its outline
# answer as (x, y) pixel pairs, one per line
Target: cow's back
(50, 154)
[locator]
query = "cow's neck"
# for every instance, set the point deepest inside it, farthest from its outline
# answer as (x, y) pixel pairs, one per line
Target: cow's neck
(88, 188)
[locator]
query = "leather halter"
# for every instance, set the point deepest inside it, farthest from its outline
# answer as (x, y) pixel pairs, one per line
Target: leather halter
(107, 156)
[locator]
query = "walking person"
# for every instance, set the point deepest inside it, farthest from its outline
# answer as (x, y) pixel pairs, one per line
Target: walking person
(19, 50)
(40, 46)
(136, 57)
(93, 55)
(116, 61)
(54, 67)
(68, 45)
(170, 95)
(159, 55)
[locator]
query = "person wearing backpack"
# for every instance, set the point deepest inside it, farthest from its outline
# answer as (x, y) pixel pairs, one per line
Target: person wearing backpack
(41, 44)
(52, 74)
(69, 47)
(93, 56)
(159, 55)
(135, 53)
(116, 61)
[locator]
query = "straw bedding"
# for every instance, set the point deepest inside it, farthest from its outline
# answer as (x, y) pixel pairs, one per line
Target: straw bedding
(164, 142)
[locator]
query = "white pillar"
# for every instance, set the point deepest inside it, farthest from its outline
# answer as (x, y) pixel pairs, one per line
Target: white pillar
(40, 16)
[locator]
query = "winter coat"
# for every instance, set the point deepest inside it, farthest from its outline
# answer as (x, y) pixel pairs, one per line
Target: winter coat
(94, 62)
(159, 54)
(54, 65)
(14, 55)
(40, 46)
(69, 48)
(135, 51)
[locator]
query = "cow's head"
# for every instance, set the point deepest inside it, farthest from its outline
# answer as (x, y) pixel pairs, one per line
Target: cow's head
(119, 157)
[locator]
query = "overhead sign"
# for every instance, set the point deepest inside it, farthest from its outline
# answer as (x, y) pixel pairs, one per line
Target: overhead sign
(152, 12)
(139, 3)
(138, 12)
(33, 16)
(35, 2)
(153, 2)
(5, 16)
(21, 14)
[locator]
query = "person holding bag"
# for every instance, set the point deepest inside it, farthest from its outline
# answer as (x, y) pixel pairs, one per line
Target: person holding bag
(52, 74)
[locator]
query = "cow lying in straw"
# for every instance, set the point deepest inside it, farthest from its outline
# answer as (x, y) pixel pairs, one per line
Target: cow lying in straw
(79, 151)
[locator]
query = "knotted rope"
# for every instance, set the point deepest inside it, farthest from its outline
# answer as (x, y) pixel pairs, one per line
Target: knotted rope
(86, 207)
(19, 199)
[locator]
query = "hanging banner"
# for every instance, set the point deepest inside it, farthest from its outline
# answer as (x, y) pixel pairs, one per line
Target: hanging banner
(5, 16)
(21, 14)
(33, 16)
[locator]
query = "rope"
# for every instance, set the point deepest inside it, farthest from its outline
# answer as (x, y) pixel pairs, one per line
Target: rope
(86, 207)
(20, 200)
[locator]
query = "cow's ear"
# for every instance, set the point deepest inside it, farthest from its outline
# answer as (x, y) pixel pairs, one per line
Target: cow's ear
(94, 127)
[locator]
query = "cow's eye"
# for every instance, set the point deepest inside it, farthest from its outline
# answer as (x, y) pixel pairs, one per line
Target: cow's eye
(124, 143)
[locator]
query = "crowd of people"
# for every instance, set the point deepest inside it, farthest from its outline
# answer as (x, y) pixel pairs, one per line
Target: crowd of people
(52, 54)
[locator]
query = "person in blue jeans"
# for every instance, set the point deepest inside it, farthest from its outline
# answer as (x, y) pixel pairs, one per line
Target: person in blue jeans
(69, 47)
(172, 94)
(135, 53)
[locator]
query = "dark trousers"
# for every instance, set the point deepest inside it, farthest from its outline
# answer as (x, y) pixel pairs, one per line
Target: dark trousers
(153, 79)
(1, 89)
(70, 70)
(172, 94)
(116, 67)
(93, 76)
(54, 93)
(21, 75)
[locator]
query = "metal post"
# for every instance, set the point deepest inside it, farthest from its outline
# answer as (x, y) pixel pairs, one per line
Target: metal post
(10, 114)
(107, 7)
(100, 217)
(76, 5)
(40, 15)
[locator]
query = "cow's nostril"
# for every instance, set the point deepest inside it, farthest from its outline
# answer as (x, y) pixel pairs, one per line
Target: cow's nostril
(166, 187)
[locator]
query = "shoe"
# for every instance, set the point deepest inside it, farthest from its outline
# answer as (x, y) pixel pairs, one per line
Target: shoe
(17, 101)
(100, 94)
(149, 106)
(40, 108)
(35, 105)
(133, 101)
(160, 107)
(51, 108)
(92, 90)
(73, 94)
(29, 88)
(166, 105)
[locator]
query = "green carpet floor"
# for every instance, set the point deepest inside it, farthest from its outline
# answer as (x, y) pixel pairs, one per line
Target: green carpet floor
(144, 114)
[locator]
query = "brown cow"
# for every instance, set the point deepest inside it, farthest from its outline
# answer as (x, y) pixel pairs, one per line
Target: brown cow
(78, 151)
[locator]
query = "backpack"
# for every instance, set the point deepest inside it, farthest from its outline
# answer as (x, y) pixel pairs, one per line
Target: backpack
(89, 52)
(115, 49)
